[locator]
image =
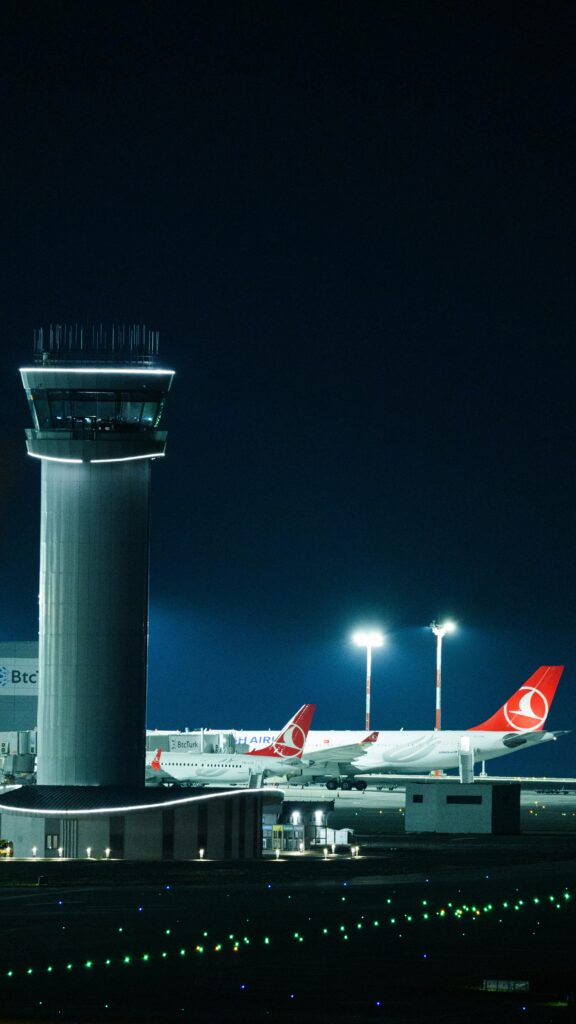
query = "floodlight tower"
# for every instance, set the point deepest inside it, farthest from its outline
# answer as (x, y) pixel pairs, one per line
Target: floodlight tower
(440, 630)
(368, 638)
(96, 396)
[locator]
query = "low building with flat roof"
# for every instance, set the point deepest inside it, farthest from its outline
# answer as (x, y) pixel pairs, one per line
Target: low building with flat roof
(134, 823)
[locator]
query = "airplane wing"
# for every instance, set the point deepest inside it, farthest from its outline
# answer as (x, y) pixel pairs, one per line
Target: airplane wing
(342, 754)
(278, 765)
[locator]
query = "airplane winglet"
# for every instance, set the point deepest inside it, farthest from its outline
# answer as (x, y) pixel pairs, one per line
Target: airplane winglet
(370, 739)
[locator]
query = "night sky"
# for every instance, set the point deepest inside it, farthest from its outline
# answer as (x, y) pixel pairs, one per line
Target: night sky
(354, 226)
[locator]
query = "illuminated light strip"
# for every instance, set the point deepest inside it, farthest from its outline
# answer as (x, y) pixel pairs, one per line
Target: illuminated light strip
(93, 369)
(137, 807)
(51, 458)
(132, 458)
(127, 458)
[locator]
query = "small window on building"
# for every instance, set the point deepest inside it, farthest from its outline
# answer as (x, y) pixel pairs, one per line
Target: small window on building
(463, 799)
(417, 798)
(52, 841)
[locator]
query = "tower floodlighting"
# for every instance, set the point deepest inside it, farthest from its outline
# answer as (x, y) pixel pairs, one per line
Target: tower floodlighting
(368, 638)
(440, 630)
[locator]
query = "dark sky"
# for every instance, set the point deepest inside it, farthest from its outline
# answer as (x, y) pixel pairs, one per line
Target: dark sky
(354, 226)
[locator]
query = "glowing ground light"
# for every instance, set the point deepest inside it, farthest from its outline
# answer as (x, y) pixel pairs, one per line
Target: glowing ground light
(346, 931)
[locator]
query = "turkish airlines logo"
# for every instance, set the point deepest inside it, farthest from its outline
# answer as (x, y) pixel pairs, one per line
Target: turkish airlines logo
(526, 710)
(291, 742)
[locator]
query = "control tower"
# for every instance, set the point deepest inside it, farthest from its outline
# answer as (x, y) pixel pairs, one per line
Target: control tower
(96, 396)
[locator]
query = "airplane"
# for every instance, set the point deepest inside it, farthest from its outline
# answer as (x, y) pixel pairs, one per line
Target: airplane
(339, 758)
(282, 757)
(518, 724)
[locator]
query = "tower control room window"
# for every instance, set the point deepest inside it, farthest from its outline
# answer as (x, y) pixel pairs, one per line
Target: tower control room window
(54, 409)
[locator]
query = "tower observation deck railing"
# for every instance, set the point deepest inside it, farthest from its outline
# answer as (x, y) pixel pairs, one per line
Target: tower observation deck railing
(90, 386)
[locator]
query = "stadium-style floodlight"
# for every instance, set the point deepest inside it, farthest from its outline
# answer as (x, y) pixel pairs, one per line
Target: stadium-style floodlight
(368, 638)
(440, 630)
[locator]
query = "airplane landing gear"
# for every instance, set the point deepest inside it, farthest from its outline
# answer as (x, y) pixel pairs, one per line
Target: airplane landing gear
(346, 784)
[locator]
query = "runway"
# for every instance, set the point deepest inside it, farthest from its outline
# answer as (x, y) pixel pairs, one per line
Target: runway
(423, 922)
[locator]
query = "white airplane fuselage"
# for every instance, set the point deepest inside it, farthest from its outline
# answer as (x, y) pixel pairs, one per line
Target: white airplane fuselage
(422, 751)
(222, 769)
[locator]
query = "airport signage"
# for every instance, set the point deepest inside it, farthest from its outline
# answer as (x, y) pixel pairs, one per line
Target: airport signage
(189, 743)
(19, 678)
(253, 739)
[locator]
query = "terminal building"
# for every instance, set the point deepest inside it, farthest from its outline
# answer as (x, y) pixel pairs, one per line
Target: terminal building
(18, 710)
(18, 687)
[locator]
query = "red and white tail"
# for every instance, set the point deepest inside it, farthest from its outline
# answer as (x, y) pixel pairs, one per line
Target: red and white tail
(155, 763)
(369, 739)
(527, 709)
(290, 741)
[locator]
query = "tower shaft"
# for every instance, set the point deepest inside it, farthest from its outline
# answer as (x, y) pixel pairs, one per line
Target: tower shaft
(94, 564)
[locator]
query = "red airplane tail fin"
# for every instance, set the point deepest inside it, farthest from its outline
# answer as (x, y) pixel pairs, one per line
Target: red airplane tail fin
(527, 709)
(155, 763)
(369, 739)
(290, 741)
